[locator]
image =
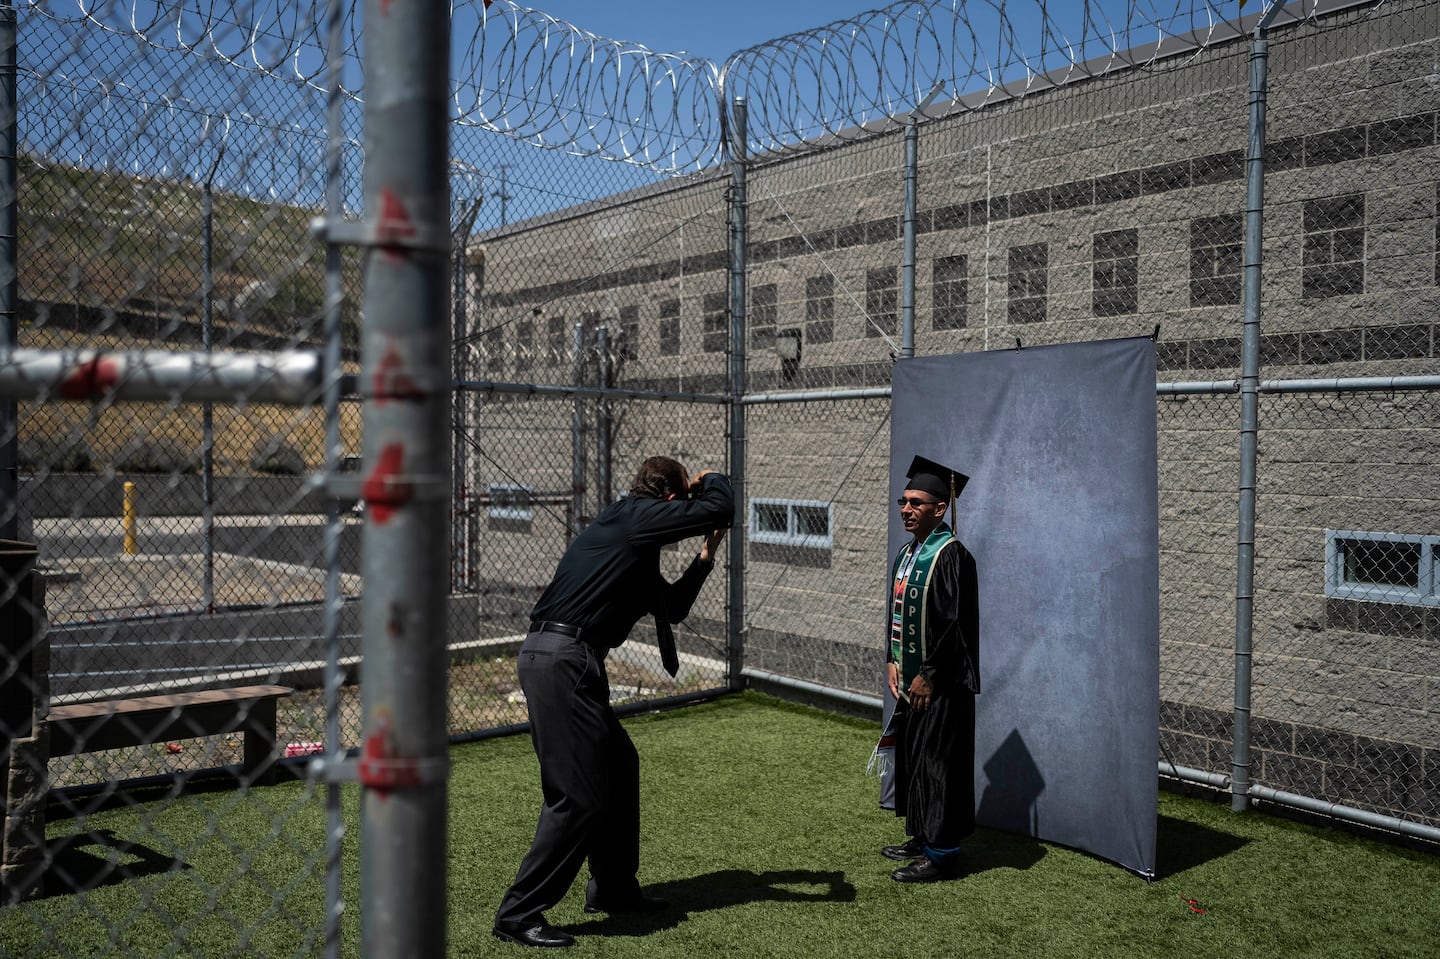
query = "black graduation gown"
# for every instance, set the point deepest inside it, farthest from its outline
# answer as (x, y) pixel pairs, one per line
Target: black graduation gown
(935, 749)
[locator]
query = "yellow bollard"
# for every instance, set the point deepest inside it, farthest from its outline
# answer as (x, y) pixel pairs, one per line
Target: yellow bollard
(132, 541)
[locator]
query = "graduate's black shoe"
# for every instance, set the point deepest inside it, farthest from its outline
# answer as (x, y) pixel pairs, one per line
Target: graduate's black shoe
(637, 903)
(921, 870)
(537, 932)
(911, 848)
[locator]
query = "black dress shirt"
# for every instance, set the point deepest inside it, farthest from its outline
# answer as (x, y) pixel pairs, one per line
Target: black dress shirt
(610, 575)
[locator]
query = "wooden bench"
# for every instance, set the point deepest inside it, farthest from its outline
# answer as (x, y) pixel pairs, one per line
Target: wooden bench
(113, 723)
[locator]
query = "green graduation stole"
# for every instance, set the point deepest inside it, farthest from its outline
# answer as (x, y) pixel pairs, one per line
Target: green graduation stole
(907, 628)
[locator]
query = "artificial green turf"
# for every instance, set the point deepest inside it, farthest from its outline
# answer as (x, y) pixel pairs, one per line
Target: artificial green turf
(761, 828)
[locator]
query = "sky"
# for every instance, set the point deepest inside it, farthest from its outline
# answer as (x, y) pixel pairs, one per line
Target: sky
(712, 30)
(715, 30)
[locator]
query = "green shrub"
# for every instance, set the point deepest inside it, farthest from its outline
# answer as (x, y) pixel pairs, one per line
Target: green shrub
(63, 455)
(157, 456)
(278, 458)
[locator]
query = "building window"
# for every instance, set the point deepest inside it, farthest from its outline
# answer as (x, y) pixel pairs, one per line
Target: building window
(717, 322)
(669, 334)
(1116, 273)
(949, 291)
(882, 299)
(510, 503)
(1333, 263)
(629, 346)
(1217, 245)
(1382, 567)
(764, 314)
(820, 309)
(524, 344)
(557, 338)
(492, 350)
(1027, 283)
(787, 522)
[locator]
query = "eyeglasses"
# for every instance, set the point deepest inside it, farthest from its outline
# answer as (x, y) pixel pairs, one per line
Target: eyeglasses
(915, 502)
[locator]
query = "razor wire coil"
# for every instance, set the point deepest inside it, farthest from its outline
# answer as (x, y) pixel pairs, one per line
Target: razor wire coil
(534, 78)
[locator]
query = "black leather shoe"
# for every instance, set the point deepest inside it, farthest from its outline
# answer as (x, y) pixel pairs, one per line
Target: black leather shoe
(921, 870)
(911, 848)
(639, 903)
(535, 933)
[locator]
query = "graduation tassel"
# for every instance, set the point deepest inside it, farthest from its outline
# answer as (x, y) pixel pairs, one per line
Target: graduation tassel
(882, 758)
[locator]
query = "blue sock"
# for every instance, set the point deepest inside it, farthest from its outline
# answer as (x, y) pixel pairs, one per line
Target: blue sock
(944, 858)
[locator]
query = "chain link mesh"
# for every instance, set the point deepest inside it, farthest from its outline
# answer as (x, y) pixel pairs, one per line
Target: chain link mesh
(1346, 605)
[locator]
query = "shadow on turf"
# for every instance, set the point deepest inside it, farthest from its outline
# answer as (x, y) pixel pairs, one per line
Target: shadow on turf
(74, 868)
(1181, 845)
(720, 890)
(991, 849)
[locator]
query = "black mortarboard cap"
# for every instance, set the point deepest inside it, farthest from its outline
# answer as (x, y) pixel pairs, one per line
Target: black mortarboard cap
(939, 481)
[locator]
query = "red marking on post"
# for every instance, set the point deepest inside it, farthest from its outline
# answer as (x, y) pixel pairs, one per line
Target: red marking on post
(390, 383)
(384, 492)
(394, 223)
(380, 769)
(92, 380)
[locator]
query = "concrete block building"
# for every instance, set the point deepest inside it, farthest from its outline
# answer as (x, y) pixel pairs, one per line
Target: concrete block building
(1112, 205)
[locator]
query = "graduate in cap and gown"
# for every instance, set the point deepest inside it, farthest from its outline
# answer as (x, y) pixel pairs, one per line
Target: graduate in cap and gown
(933, 670)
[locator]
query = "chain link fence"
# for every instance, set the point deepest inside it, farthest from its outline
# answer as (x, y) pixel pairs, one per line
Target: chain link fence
(1061, 195)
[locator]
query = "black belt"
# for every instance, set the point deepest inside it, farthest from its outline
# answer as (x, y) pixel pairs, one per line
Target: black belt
(586, 636)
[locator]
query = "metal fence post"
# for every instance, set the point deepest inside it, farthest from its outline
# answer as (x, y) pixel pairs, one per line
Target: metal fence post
(604, 426)
(1249, 414)
(735, 645)
(9, 269)
(577, 434)
(907, 262)
(207, 409)
(461, 541)
(334, 451)
(404, 765)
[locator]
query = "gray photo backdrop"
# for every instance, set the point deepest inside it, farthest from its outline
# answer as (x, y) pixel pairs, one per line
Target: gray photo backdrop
(1061, 513)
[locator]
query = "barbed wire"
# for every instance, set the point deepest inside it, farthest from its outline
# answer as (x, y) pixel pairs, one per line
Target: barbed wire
(526, 75)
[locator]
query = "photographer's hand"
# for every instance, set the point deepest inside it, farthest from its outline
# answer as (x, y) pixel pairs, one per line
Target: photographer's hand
(695, 483)
(712, 543)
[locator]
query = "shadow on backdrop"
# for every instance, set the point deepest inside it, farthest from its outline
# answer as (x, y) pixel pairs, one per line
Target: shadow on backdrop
(74, 867)
(1013, 788)
(720, 890)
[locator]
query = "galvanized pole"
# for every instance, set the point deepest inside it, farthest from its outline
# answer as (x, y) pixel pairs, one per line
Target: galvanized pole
(331, 373)
(908, 228)
(462, 567)
(207, 409)
(474, 403)
(577, 435)
(404, 767)
(907, 262)
(603, 425)
(1249, 414)
(739, 235)
(9, 270)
